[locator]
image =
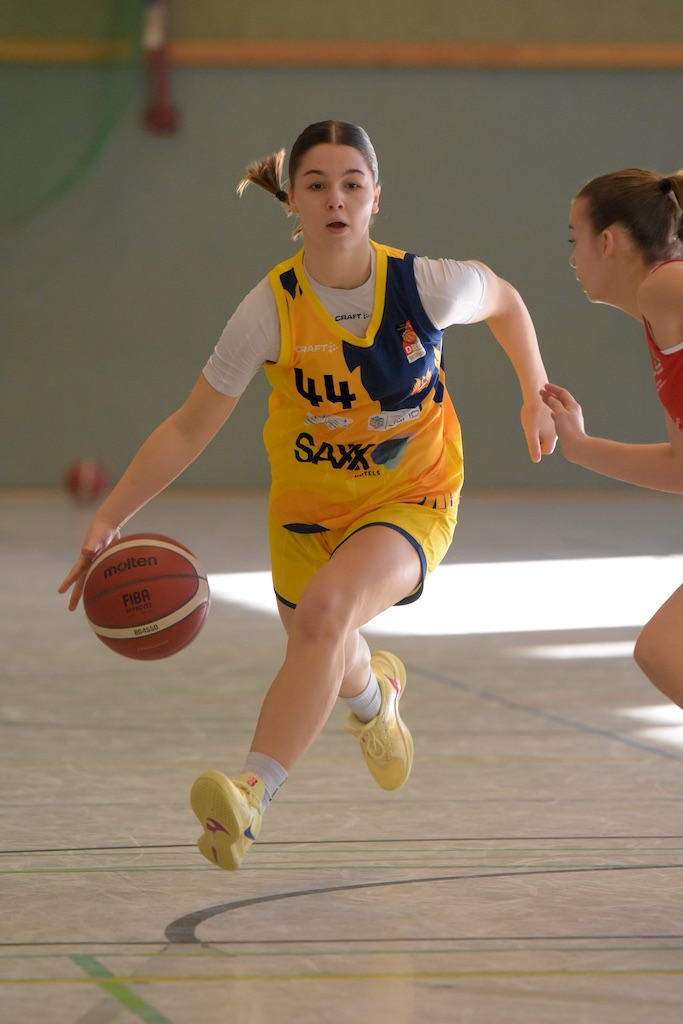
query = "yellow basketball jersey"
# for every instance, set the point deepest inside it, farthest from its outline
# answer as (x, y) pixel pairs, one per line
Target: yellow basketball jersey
(355, 423)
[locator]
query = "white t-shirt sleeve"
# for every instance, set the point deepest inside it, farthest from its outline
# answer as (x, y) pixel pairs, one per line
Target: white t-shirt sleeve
(452, 291)
(250, 339)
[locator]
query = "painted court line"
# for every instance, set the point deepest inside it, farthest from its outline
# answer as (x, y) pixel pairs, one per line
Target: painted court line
(114, 987)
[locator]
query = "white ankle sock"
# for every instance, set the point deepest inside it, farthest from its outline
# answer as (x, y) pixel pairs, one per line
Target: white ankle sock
(366, 705)
(271, 773)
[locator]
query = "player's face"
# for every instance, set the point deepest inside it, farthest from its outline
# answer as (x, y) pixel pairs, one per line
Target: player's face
(334, 194)
(587, 251)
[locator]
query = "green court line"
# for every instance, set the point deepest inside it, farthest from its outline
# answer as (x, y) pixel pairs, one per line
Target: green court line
(115, 987)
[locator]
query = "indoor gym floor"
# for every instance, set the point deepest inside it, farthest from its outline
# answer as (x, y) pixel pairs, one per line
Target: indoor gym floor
(530, 871)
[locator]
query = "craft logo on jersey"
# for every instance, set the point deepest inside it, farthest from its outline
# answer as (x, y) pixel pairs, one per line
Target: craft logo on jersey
(412, 346)
(327, 346)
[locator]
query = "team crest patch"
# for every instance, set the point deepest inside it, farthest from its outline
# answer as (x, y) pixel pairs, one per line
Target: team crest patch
(412, 346)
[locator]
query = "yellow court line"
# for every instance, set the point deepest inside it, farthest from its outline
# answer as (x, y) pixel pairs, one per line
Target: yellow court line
(343, 976)
(312, 947)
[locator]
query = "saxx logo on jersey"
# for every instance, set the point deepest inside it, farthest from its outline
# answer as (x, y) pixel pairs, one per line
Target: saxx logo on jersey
(356, 457)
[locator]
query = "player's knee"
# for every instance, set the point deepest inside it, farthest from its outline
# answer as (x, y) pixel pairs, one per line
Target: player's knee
(322, 616)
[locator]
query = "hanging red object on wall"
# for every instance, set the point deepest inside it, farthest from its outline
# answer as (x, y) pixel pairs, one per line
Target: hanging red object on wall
(161, 115)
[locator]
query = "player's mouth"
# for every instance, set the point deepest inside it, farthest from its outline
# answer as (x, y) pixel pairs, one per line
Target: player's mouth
(337, 225)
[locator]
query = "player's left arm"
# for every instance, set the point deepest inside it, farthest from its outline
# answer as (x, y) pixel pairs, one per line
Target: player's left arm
(658, 465)
(511, 325)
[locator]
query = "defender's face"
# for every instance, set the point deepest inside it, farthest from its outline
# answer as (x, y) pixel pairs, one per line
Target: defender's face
(587, 252)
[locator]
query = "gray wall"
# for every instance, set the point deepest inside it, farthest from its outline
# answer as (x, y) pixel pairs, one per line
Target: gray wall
(440, 20)
(112, 298)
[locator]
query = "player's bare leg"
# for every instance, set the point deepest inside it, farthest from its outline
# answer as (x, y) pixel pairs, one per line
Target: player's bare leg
(659, 648)
(370, 572)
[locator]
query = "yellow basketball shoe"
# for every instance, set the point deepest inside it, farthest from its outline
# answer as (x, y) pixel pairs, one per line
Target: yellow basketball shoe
(385, 740)
(230, 814)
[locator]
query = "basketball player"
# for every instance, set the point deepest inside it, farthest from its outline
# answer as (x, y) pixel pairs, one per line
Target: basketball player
(626, 229)
(365, 454)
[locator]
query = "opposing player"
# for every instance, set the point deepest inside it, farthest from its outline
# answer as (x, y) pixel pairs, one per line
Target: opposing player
(365, 453)
(626, 229)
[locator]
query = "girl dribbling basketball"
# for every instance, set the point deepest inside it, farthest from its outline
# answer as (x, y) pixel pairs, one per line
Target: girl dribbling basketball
(365, 454)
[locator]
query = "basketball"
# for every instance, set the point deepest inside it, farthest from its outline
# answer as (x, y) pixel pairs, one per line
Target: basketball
(146, 596)
(86, 480)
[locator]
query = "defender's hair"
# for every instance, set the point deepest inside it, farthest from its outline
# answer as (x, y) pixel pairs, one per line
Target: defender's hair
(267, 173)
(647, 204)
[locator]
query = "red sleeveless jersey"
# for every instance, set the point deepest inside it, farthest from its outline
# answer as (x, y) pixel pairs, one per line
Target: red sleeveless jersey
(668, 370)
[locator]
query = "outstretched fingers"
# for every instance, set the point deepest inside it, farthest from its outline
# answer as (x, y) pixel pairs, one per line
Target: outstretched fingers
(555, 397)
(76, 578)
(567, 416)
(96, 541)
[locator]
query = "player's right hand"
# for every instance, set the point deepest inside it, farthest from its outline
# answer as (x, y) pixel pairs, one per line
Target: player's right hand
(99, 536)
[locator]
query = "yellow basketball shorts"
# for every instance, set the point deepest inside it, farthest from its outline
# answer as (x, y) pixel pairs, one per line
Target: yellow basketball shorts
(296, 557)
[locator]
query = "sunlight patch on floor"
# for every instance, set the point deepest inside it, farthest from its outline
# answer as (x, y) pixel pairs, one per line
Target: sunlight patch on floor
(663, 723)
(507, 597)
(656, 714)
(575, 652)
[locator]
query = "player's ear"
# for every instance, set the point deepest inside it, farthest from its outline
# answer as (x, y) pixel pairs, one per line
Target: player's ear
(608, 242)
(375, 204)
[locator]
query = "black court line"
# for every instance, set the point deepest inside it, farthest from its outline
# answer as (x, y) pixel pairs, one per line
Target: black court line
(367, 841)
(182, 931)
(545, 716)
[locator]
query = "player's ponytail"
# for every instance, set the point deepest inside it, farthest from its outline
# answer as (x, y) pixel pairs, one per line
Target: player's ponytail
(672, 187)
(267, 174)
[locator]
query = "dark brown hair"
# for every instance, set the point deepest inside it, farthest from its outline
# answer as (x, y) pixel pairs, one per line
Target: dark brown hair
(337, 133)
(647, 204)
